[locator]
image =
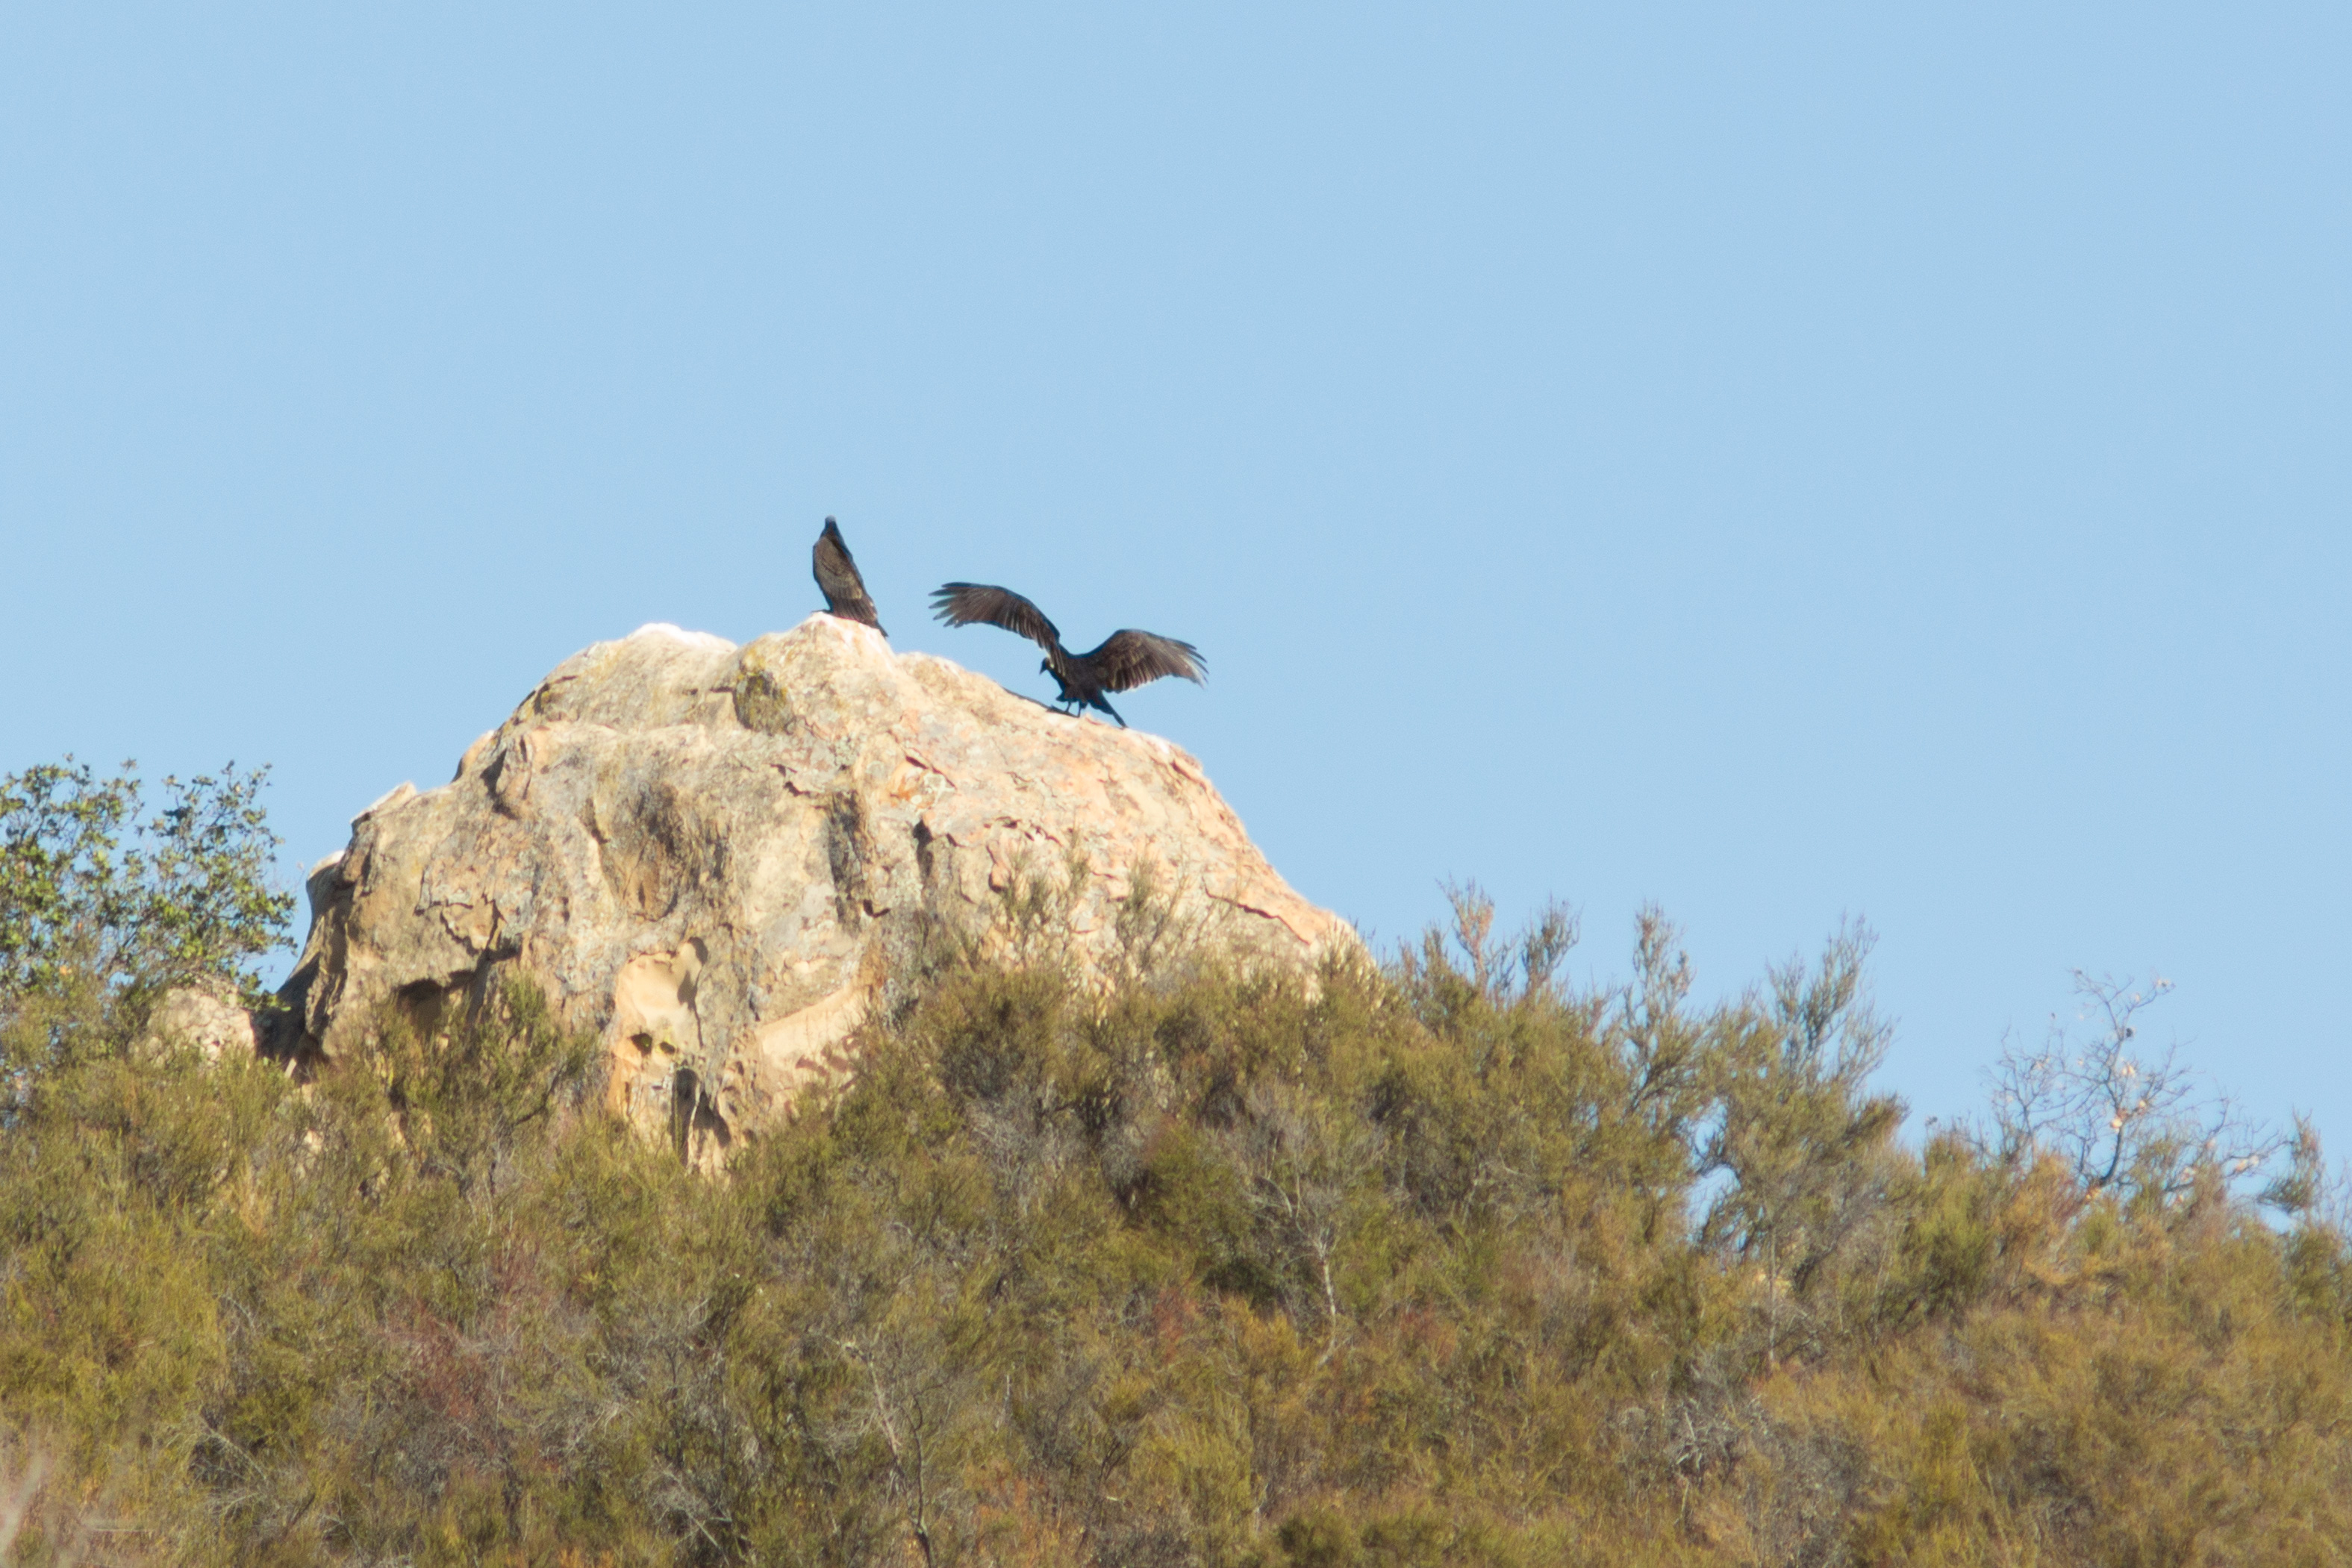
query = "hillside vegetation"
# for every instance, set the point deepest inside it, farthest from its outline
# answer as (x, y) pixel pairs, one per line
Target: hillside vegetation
(1438, 1260)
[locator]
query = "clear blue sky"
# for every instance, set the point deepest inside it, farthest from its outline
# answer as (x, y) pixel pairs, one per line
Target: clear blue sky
(1778, 462)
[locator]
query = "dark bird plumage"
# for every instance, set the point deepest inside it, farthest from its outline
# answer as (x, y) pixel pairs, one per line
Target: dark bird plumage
(1126, 660)
(836, 576)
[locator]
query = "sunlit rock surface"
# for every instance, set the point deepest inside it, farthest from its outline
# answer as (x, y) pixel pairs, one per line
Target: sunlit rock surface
(206, 1018)
(708, 854)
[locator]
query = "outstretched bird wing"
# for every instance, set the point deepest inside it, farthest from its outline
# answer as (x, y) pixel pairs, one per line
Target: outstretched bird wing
(964, 603)
(836, 576)
(1128, 659)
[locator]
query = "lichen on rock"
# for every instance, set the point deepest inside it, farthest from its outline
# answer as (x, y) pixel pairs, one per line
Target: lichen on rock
(706, 853)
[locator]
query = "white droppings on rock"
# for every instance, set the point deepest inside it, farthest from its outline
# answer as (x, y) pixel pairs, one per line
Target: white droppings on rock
(392, 799)
(680, 635)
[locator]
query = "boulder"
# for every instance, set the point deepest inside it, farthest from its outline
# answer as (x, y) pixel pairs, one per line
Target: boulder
(205, 1016)
(713, 856)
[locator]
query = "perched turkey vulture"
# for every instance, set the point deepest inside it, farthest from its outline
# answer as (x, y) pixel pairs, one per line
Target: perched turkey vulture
(1124, 661)
(836, 574)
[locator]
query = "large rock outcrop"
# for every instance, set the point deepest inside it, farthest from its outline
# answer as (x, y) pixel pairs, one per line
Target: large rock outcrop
(708, 854)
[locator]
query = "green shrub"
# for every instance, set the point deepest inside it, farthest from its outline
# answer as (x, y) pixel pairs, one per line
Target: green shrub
(1443, 1262)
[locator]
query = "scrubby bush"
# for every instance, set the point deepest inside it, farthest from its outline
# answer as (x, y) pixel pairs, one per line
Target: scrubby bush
(1440, 1261)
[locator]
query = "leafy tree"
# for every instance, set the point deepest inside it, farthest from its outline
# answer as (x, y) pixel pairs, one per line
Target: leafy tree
(103, 904)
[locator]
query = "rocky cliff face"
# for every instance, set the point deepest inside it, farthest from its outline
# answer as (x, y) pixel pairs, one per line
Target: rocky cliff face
(710, 853)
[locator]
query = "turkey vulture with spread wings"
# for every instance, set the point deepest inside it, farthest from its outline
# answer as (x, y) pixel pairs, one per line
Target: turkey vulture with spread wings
(1124, 661)
(836, 575)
